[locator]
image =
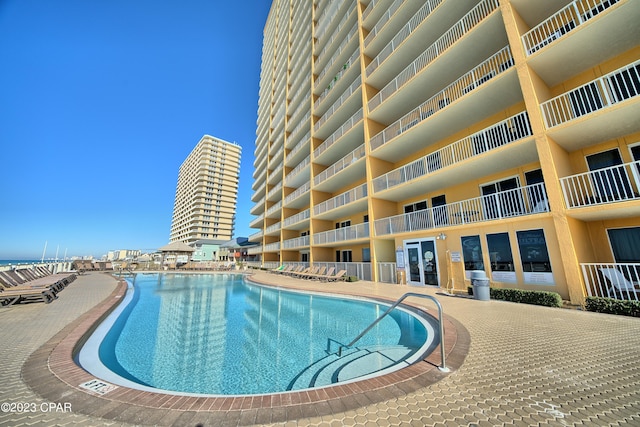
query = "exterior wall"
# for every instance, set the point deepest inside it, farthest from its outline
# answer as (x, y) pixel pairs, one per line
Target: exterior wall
(207, 192)
(372, 108)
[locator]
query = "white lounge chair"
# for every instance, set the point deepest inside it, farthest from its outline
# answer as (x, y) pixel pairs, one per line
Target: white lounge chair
(620, 285)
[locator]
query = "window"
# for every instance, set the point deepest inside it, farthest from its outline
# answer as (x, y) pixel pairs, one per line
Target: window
(366, 255)
(534, 256)
(501, 258)
(344, 256)
(609, 176)
(472, 253)
(439, 208)
(502, 200)
(625, 244)
(537, 195)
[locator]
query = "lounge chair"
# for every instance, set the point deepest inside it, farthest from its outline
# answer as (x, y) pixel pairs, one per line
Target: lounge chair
(320, 272)
(294, 271)
(324, 273)
(10, 297)
(338, 276)
(620, 285)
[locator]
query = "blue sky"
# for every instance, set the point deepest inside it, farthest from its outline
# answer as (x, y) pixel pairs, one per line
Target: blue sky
(100, 103)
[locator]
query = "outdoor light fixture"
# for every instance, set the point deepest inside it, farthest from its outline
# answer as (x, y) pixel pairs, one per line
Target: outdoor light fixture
(441, 236)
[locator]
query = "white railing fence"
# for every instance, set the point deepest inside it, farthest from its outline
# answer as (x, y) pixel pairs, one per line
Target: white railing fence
(603, 92)
(521, 201)
(387, 272)
(612, 280)
(362, 270)
(352, 232)
(563, 21)
(612, 184)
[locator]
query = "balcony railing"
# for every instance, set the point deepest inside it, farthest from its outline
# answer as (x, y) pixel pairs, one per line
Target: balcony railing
(603, 92)
(602, 186)
(496, 64)
(462, 27)
(343, 199)
(612, 280)
(340, 165)
(343, 234)
(503, 133)
(355, 85)
(303, 164)
(417, 19)
(298, 242)
(298, 192)
(383, 21)
(274, 208)
(274, 227)
(300, 216)
(566, 19)
(353, 120)
(272, 247)
(521, 201)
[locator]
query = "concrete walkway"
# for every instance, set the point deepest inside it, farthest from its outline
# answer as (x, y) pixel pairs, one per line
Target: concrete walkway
(526, 365)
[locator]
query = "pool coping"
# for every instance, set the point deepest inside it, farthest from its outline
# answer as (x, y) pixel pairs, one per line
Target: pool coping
(52, 373)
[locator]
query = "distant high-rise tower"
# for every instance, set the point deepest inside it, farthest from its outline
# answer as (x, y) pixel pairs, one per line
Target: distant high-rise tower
(207, 192)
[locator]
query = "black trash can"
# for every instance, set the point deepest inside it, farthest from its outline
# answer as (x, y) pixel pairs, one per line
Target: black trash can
(480, 283)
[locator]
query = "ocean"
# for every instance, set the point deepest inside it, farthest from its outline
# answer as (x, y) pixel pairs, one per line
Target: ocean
(22, 261)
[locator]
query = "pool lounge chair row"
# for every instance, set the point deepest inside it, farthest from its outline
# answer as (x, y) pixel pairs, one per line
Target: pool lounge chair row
(87, 265)
(311, 273)
(31, 285)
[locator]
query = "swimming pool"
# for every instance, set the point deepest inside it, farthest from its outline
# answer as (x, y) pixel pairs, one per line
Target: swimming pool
(221, 335)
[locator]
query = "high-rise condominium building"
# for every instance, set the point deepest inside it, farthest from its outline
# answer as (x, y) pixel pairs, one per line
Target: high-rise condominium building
(432, 138)
(207, 192)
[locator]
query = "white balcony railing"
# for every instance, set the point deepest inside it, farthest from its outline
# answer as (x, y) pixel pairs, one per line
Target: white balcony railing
(566, 19)
(343, 234)
(272, 247)
(335, 136)
(612, 280)
(343, 199)
(383, 21)
(462, 27)
(340, 165)
(495, 65)
(603, 92)
(294, 219)
(417, 19)
(602, 186)
(298, 242)
(521, 201)
(353, 87)
(502, 133)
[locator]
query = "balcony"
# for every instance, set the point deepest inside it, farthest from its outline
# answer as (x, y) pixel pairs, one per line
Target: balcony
(273, 229)
(297, 243)
(480, 146)
(271, 247)
(612, 280)
(528, 200)
(581, 35)
(344, 234)
(299, 174)
(570, 117)
(412, 80)
(458, 105)
(607, 186)
(347, 169)
(350, 135)
(297, 221)
(349, 202)
(299, 197)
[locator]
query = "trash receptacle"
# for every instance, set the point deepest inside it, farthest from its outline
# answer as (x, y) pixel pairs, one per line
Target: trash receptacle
(480, 283)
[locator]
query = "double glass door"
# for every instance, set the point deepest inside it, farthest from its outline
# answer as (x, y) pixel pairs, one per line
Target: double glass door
(422, 263)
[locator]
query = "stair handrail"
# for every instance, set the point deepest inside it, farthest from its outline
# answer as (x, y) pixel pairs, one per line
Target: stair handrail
(443, 366)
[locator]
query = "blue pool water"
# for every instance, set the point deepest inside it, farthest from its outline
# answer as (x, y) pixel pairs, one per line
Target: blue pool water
(220, 335)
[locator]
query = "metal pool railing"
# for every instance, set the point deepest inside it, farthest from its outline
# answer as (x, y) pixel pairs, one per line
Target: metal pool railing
(443, 365)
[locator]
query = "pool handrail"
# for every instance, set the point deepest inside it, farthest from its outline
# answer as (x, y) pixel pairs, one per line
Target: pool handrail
(443, 366)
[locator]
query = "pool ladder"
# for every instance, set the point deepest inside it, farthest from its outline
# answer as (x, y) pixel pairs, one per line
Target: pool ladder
(443, 366)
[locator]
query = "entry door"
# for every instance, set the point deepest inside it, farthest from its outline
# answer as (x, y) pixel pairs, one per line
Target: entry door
(422, 263)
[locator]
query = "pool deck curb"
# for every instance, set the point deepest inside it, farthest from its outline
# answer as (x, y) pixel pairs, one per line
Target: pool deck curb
(52, 373)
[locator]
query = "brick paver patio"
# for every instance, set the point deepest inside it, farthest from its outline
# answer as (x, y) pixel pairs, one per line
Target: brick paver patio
(525, 365)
